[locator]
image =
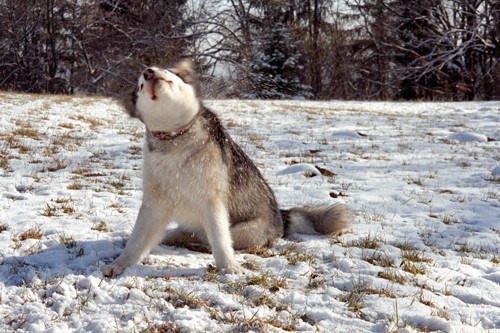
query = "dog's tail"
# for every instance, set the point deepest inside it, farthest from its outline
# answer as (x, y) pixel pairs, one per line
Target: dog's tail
(324, 220)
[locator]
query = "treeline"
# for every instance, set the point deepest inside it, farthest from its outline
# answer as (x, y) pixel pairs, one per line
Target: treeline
(317, 49)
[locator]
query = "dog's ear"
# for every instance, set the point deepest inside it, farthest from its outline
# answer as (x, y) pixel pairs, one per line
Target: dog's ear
(128, 101)
(185, 70)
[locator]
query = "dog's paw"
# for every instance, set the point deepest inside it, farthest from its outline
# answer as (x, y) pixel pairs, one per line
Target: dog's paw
(112, 270)
(234, 269)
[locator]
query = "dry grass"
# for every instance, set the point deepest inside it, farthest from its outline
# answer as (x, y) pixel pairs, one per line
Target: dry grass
(392, 275)
(32, 233)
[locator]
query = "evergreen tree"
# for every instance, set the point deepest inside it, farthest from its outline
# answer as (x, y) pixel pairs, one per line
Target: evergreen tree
(274, 66)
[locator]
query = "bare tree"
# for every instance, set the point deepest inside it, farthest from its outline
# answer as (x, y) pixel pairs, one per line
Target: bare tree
(34, 43)
(378, 49)
(433, 49)
(121, 37)
(92, 46)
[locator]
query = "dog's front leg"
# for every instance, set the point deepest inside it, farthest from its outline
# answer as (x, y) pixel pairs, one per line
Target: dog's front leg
(216, 224)
(148, 230)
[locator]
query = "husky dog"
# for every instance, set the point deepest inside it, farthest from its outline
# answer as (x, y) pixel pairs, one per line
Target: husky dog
(196, 175)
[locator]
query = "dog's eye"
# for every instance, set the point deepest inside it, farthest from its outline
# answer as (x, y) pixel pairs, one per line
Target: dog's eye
(142, 86)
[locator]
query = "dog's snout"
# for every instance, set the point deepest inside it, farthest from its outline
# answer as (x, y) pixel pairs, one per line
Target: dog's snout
(149, 74)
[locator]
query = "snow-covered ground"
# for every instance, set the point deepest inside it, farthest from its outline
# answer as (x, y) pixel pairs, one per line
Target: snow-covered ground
(422, 256)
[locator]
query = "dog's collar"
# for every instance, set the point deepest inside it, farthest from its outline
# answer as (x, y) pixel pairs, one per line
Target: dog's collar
(162, 135)
(159, 135)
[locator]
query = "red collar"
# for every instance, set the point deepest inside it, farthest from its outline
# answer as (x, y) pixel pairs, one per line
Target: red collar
(159, 135)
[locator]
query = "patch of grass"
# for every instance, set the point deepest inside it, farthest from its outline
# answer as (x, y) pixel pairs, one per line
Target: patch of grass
(264, 280)
(316, 281)
(32, 233)
(264, 300)
(378, 258)
(294, 255)
(169, 327)
(381, 292)
(406, 246)
(423, 300)
(3, 227)
(181, 299)
(9, 141)
(368, 242)
(414, 180)
(119, 207)
(49, 211)
(465, 260)
(101, 227)
(67, 204)
(75, 186)
(413, 268)
(256, 138)
(392, 275)
(449, 219)
(4, 161)
(58, 164)
(51, 150)
(120, 184)
(71, 245)
(441, 313)
(267, 281)
(67, 241)
(91, 121)
(465, 247)
(260, 251)
(494, 179)
(373, 216)
(492, 195)
(27, 132)
(67, 125)
(135, 150)
(251, 264)
(354, 298)
(414, 256)
(98, 157)
(24, 150)
(82, 171)
(252, 324)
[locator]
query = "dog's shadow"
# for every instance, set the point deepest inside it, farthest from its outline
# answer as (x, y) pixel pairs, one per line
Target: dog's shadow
(88, 257)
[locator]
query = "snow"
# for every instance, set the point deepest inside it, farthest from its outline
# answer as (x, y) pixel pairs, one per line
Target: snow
(304, 168)
(469, 137)
(496, 171)
(345, 134)
(422, 255)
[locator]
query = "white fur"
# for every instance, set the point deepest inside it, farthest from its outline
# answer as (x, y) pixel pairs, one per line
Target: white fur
(175, 105)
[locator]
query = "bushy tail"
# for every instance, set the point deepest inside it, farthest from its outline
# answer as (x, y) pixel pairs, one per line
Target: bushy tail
(324, 220)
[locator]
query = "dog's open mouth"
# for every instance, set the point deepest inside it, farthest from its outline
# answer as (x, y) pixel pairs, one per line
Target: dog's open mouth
(153, 85)
(153, 81)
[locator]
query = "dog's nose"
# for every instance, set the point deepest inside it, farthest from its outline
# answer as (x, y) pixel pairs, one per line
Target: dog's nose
(149, 74)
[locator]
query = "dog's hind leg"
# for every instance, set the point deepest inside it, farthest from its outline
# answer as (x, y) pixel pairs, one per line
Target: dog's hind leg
(254, 233)
(179, 237)
(147, 232)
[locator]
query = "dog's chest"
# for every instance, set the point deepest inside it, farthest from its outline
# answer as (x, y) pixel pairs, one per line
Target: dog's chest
(190, 172)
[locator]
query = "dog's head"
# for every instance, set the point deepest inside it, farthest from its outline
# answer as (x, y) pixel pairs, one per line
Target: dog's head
(164, 99)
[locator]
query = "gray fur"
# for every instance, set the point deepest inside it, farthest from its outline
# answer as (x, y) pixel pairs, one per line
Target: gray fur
(204, 181)
(324, 220)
